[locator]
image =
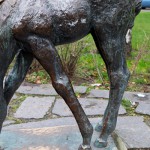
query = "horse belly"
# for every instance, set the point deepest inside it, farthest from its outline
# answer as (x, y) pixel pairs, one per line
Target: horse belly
(72, 22)
(61, 21)
(71, 30)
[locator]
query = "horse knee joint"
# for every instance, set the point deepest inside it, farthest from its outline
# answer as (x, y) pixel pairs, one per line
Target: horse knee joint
(120, 76)
(61, 84)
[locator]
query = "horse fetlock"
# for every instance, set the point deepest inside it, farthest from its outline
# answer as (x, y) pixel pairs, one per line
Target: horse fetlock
(109, 123)
(119, 77)
(100, 143)
(89, 131)
(62, 85)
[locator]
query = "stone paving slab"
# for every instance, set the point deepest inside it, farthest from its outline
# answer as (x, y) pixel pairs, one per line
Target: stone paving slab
(49, 138)
(46, 89)
(90, 106)
(66, 121)
(99, 93)
(80, 89)
(37, 90)
(34, 107)
(137, 97)
(132, 133)
(8, 122)
(14, 96)
(148, 122)
(143, 108)
(133, 96)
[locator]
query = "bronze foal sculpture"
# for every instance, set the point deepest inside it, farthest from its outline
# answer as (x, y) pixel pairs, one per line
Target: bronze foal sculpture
(32, 28)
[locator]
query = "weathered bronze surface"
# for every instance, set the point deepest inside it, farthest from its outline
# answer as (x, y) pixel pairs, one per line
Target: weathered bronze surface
(32, 28)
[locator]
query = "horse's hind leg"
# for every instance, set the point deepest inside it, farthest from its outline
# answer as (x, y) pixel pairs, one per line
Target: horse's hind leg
(47, 55)
(111, 48)
(17, 74)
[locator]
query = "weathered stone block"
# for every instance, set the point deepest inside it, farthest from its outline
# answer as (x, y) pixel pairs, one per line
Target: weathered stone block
(143, 108)
(34, 107)
(132, 133)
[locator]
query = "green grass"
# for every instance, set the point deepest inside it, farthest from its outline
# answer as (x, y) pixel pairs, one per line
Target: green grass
(141, 31)
(128, 107)
(86, 67)
(141, 44)
(38, 77)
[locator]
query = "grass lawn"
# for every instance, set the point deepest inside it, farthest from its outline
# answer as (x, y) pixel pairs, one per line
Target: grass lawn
(141, 31)
(91, 68)
(139, 63)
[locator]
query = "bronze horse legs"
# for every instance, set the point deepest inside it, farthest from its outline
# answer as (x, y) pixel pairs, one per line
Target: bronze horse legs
(61, 83)
(112, 52)
(111, 49)
(45, 52)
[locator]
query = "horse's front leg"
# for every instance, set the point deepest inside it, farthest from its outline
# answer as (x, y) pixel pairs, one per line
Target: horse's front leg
(17, 74)
(111, 48)
(47, 55)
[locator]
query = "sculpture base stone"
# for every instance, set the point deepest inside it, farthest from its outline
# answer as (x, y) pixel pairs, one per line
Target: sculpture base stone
(48, 138)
